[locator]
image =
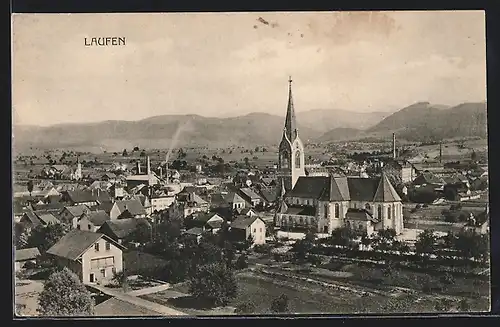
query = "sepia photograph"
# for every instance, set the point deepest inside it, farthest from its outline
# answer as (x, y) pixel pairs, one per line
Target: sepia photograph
(249, 164)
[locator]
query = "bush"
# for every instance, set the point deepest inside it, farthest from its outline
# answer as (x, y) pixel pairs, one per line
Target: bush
(241, 263)
(448, 279)
(314, 259)
(262, 248)
(245, 307)
(280, 304)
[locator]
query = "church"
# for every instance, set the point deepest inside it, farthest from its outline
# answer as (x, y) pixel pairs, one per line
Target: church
(325, 203)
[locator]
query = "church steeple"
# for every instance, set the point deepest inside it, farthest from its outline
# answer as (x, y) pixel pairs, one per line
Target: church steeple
(290, 121)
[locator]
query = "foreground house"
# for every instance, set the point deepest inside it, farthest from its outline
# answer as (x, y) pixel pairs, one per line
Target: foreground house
(94, 257)
(24, 256)
(244, 226)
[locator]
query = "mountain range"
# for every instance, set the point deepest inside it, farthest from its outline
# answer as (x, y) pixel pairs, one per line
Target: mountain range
(420, 121)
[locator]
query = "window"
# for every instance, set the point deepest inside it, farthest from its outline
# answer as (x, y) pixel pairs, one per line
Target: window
(96, 247)
(284, 159)
(255, 230)
(326, 210)
(91, 278)
(368, 207)
(297, 159)
(301, 220)
(89, 226)
(102, 262)
(260, 230)
(307, 202)
(108, 246)
(379, 212)
(113, 271)
(325, 229)
(103, 273)
(337, 210)
(394, 211)
(389, 212)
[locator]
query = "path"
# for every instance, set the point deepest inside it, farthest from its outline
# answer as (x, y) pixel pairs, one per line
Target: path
(150, 290)
(166, 311)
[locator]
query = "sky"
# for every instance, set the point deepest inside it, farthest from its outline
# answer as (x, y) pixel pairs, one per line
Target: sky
(230, 64)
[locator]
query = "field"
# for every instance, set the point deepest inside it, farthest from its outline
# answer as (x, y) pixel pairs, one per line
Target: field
(400, 291)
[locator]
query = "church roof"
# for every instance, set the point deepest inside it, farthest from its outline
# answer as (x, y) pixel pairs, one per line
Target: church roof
(385, 191)
(330, 188)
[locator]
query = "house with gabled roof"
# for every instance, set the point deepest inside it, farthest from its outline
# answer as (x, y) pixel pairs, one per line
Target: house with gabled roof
(70, 214)
(32, 219)
(250, 196)
(92, 220)
(324, 202)
(93, 257)
(133, 206)
(207, 221)
(123, 229)
(86, 197)
(23, 256)
(243, 227)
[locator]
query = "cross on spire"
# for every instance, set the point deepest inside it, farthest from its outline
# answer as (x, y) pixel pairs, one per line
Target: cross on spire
(290, 81)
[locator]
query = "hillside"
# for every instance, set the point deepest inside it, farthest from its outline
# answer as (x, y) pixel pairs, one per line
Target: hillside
(158, 132)
(423, 121)
(325, 120)
(340, 134)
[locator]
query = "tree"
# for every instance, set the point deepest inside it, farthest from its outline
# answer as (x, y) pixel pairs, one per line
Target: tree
(343, 236)
(247, 162)
(280, 304)
(241, 263)
(444, 305)
(30, 186)
(463, 306)
(214, 284)
(124, 153)
(142, 154)
(43, 237)
(426, 242)
(366, 240)
(136, 148)
(472, 245)
(245, 307)
(248, 242)
(64, 295)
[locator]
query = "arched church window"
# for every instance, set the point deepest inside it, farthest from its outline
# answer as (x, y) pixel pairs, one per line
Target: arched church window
(389, 212)
(379, 211)
(297, 159)
(394, 211)
(326, 210)
(337, 210)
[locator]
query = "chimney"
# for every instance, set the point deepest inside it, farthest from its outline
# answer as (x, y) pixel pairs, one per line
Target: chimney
(148, 166)
(393, 145)
(138, 167)
(440, 152)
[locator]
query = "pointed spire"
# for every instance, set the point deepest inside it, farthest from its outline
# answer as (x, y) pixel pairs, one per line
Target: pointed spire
(290, 122)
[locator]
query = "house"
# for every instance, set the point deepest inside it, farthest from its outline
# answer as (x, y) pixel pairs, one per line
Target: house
(234, 200)
(109, 177)
(93, 257)
(133, 206)
(361, 220)
(479, 223)
(269, 195)
(144, 200)
(324, 202)
(100, 185)
(117, 191)
(194, 233)
(243, 227)
(426, 178)
(92, 220)
(401, 170)
(250, 196)
(24, 256)
(123, 229)
(207, 221)
(70, 214)
(161, 201)
(86, 197)
(246, 212)
(32, 219)
(187, 204)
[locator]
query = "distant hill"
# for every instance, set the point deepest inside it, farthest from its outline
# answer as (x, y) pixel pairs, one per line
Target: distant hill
(418, 122)
(423, 121)
(158, 132)
(325, 120)
(340, 134)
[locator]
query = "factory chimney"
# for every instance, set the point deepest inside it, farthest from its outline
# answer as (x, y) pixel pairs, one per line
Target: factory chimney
(148, 166)
(393, 145)
(440, 152)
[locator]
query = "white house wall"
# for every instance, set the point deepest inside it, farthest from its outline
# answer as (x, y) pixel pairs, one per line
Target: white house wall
(91, 253)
